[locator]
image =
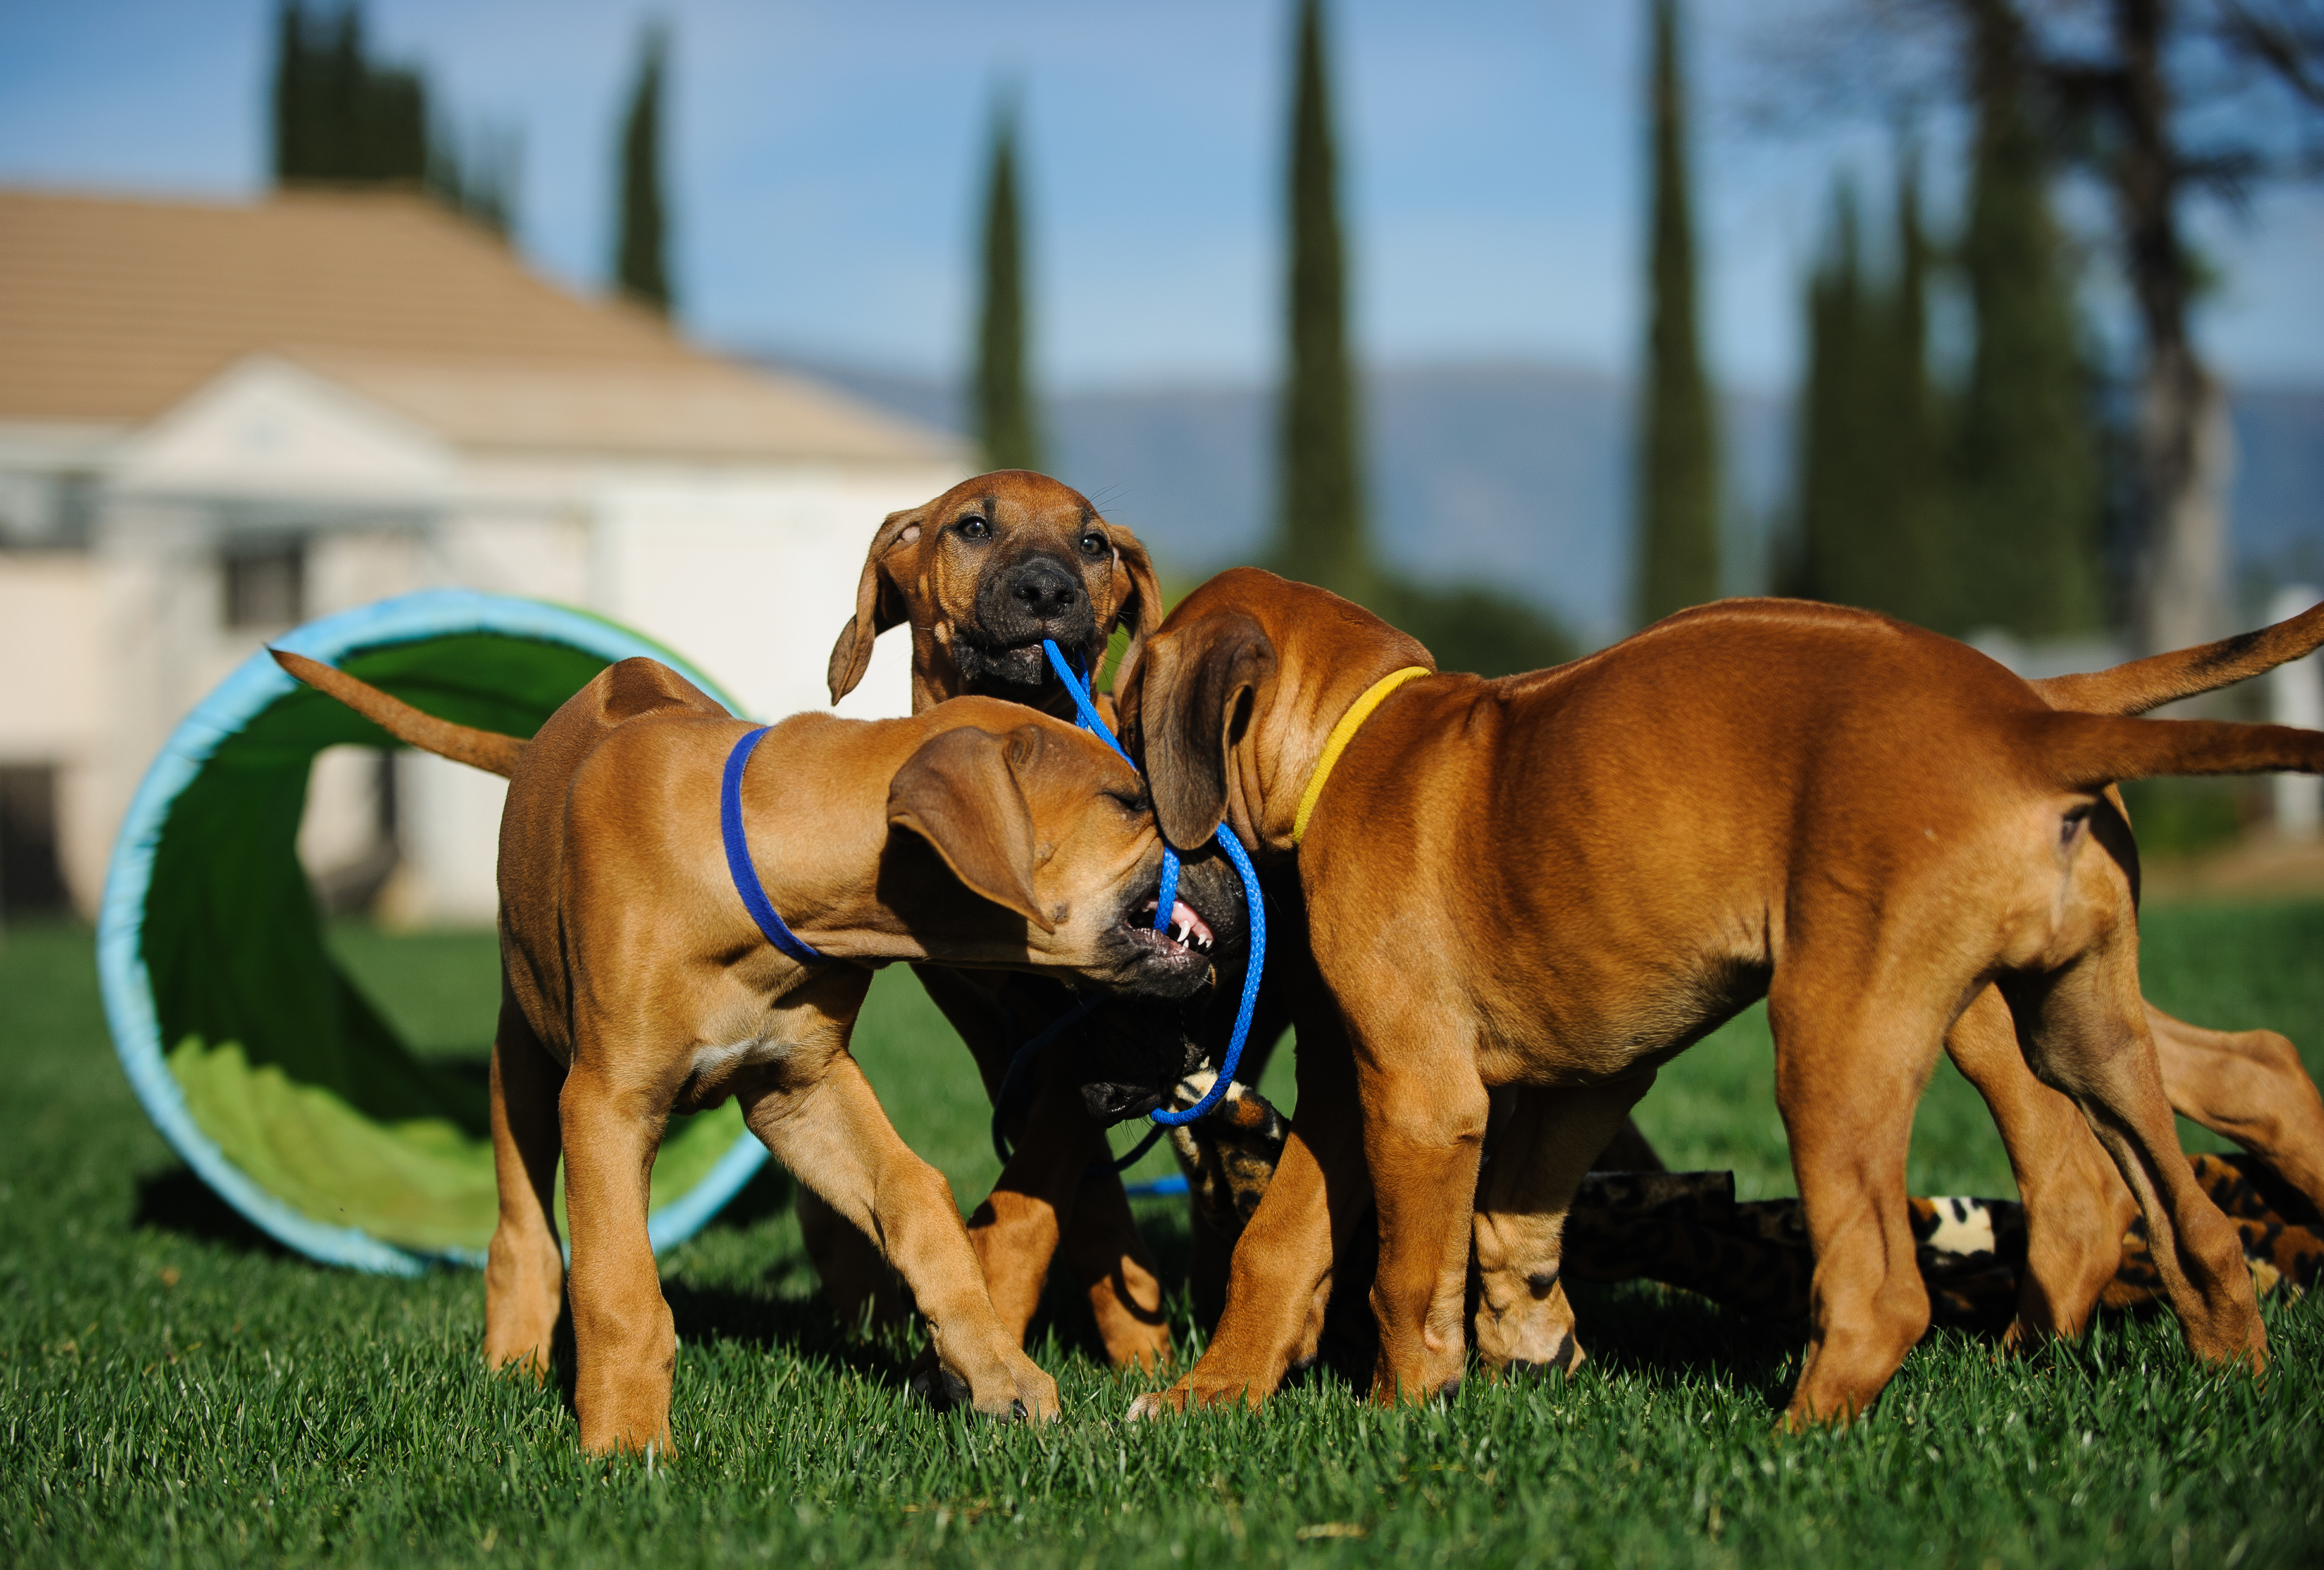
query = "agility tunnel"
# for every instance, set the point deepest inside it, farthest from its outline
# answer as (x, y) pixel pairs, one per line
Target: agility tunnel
(253, 1052)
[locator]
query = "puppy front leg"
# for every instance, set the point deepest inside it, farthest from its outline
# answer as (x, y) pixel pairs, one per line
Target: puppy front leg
(1047, 1204)
(1015, 1231)
(625, 1340)
(1280, 1274)
(857, 1282)
(833, 1135)
(1425, 1114)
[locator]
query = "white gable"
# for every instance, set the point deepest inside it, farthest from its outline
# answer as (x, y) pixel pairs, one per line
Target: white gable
(267, 430)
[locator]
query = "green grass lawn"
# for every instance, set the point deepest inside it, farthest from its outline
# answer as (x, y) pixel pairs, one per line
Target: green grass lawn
(175, 1389)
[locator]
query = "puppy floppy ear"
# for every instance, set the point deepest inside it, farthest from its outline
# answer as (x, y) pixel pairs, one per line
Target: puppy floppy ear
(960, 792)
(1140, 607)
(878, 604)
(1188, 698)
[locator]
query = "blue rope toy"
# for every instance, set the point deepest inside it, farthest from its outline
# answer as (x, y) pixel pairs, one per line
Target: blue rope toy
(1165, 897)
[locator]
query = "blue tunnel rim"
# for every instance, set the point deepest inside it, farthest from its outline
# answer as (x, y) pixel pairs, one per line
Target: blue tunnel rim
(254, 687)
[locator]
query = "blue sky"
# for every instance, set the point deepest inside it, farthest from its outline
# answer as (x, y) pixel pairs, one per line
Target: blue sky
(826, 159)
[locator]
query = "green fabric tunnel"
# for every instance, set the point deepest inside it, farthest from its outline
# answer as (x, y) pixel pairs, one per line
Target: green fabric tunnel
(258, 1060)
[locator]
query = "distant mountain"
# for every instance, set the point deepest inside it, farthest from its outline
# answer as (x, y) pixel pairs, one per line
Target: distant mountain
(1517, 476)
(2278, 515)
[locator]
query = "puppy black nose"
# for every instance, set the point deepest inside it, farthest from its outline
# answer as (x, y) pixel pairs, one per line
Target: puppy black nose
(1043, 589)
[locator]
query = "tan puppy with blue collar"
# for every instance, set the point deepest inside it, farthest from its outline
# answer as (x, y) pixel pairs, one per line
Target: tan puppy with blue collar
(636, 984)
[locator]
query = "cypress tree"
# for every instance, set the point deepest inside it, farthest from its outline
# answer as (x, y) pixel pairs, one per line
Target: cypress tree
(1319, 475)
(1002, 397)
(339, 117)
(1835, 434)
(478, 180)
(1872, 501)
(2027, 477)
(294, 114)
(640, 264)
(1677, 521)
(1918, 560)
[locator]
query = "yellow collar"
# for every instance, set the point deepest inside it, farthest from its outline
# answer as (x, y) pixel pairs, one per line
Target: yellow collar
(1341, 734)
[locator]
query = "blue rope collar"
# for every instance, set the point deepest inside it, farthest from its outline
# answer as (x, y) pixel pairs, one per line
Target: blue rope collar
(746, 875)
(1164, 898)
(738, 854)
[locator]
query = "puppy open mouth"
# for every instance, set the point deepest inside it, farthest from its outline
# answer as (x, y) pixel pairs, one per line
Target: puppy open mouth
(1187, 932)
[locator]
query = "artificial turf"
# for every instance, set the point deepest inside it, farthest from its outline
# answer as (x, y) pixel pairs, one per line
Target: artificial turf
(175, 1389)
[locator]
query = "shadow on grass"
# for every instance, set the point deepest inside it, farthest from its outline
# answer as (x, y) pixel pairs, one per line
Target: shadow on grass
(769, 1193)
(1665, 1334)
(174, 1200)
(756, 1315)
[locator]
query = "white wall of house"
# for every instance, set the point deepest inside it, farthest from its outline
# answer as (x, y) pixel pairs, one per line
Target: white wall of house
(751, 575)
(748, 570)
(58, 694)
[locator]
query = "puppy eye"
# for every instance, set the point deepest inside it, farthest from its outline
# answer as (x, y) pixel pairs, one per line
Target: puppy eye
(973, 527)
(1094, 543)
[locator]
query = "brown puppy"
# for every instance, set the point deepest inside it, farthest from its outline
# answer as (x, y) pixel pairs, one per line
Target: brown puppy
(636, 984)
(2248, 1085)
(1553, 884)
(980, 575)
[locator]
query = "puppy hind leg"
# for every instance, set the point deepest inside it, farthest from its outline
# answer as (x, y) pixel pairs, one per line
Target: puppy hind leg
(2083, 1029)
(1534, 1162)
(2075, 1207)
(524, 1266)
(624, 1341)
(1630, 1150)
(1847, 1078)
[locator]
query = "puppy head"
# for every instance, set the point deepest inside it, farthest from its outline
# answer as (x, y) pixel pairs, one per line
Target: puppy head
(1053, 836)
(1232, 698)
(985, 573)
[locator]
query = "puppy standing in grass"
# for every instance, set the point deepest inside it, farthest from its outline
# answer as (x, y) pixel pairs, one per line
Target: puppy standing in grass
(1547, 886)
(635, 983)
(981, 575)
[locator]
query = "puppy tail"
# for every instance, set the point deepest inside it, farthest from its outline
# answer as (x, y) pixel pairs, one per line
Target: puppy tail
(490, 750)
(2086, 752)
(2144, 684)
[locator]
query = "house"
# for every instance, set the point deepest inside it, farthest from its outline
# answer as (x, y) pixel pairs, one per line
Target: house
(218, 420)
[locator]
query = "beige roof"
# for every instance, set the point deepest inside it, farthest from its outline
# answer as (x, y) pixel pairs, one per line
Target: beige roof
(114, 310)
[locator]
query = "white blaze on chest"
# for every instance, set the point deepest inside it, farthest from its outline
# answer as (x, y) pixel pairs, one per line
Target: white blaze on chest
(712, 1063)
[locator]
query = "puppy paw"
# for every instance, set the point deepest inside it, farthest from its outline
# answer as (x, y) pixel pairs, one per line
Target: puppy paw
(1156, 1404)
(1031, 1393)
(1188, 1394)
(1563, 1359)
(1003, 1382)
